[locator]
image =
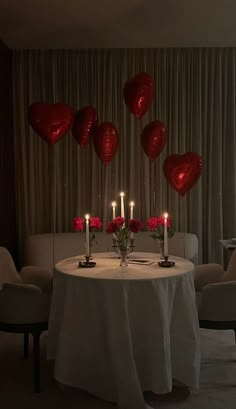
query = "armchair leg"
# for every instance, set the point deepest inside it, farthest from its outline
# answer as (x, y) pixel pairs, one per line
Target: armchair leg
(36, 351)
(26, 345)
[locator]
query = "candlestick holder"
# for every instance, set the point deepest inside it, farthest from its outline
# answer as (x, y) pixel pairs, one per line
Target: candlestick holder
(87, 263)
(166, 263)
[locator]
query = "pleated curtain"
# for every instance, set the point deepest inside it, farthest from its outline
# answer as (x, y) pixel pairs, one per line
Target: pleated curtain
(194, 96)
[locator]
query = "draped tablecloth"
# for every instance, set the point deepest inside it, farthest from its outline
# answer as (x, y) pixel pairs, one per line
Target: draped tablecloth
(118, 331)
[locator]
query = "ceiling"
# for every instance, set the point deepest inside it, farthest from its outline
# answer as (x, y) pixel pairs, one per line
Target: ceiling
(64, 24)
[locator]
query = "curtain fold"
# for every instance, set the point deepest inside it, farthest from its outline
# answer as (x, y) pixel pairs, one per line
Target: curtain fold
(194, 95)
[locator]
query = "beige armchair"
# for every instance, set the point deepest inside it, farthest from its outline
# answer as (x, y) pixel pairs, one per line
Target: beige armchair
(216, 294)
(25, 298)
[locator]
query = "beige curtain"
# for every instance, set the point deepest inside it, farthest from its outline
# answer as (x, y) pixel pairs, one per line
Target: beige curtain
(194, 96)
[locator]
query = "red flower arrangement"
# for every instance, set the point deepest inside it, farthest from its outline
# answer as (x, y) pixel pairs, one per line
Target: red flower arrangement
(78, 223)
(121, 234)
(95, 224)
(156, 225)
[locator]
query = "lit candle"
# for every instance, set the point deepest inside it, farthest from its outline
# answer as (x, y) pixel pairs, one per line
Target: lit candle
(87, 235)
(113, 210)
(165, 235)
(131, 210)
(122, 205)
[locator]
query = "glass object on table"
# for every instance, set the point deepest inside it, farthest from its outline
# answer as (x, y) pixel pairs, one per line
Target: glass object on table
(123, 250)
(161, 243)
(91, 246)
(123, 256)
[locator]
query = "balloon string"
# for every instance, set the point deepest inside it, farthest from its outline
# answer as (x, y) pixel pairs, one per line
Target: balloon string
(153, 167)
(53, 216)
(183, 213)
(141, 162)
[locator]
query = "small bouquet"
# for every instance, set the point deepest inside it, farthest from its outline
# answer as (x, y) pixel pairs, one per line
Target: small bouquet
(95, 224)
(156, 225)
(122, 235)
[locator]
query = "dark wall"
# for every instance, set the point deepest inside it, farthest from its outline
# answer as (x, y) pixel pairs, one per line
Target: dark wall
(7, 176)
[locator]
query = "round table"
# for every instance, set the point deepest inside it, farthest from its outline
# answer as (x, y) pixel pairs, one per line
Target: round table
(118, 331)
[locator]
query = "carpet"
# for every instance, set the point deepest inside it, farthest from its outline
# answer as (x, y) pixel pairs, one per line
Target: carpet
(217, 380)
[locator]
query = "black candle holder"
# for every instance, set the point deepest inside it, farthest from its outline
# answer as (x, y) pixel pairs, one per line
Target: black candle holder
(166, 263)
(87, 263)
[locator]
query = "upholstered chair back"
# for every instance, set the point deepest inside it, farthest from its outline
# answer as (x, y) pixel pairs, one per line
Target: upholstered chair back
(230, 273)
(8, 272)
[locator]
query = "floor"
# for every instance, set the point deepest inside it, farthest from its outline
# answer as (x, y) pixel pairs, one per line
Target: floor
(217, 381)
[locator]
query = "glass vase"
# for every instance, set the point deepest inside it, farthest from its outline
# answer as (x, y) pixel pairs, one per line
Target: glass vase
(90, 250)
(161, 249)
(123, 257)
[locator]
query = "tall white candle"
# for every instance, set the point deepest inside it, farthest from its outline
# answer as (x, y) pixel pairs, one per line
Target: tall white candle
(113, 210)
(122, 205)
(165, 235)
(131, 217)
(87, 217)
(131, 210)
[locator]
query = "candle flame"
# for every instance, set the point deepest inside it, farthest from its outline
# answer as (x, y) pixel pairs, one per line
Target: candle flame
(122, 194)
(166, 215)
(132, 204)
(113, 204)
(87, 216)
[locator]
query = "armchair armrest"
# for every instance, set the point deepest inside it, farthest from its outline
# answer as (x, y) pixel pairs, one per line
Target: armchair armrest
(23, 288)
(23, 303)
(207, 274)
(218, 302)
(37, 276)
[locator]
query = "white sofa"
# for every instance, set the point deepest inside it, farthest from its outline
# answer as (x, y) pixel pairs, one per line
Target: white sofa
(44, 250)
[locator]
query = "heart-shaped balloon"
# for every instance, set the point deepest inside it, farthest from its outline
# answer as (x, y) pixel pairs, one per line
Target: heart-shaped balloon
(138, 93)
(85, 123)
(106, 141)
(50, 121)
(182, 171)
(153, 138)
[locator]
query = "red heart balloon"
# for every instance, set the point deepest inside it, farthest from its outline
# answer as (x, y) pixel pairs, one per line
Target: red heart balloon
(50, 121)
(106, 141)
(182, 171)
(138, 93)
(85, 123)
(153, 138)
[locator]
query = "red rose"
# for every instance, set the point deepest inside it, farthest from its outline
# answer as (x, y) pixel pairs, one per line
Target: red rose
(135, 225)
(119, 221)
(153, 223)
(162, 220)
(95, 223)
(111, 227)
(77, 223)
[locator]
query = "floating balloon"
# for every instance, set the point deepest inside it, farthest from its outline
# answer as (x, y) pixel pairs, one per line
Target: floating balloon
(182, 171)
(106, 141)
(138, 93)
(153, 138)
(85, 123)
(50, 121)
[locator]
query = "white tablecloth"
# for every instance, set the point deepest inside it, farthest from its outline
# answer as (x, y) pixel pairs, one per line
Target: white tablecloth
(118, 331)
